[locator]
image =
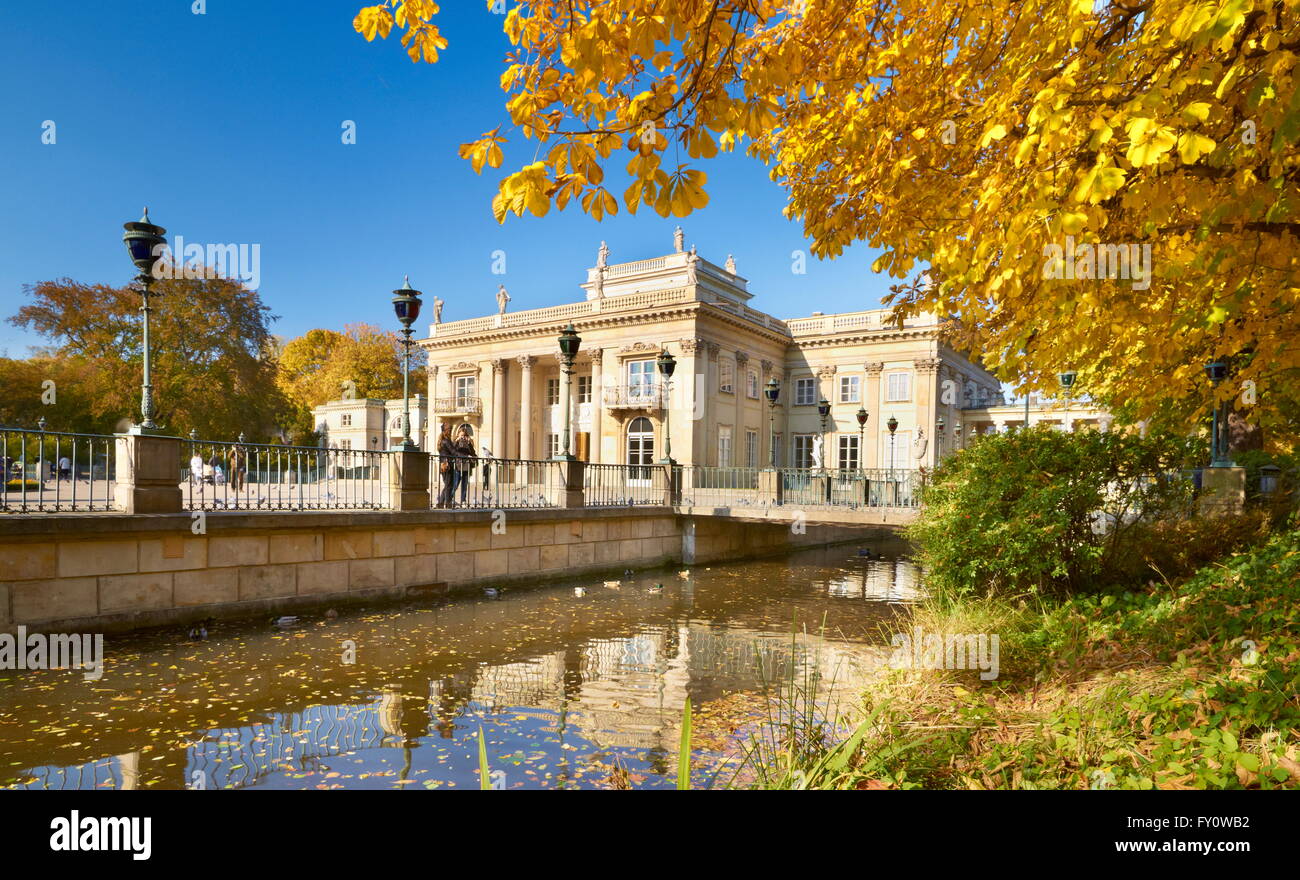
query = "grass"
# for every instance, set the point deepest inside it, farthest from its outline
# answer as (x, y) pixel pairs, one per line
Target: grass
(1178, 685)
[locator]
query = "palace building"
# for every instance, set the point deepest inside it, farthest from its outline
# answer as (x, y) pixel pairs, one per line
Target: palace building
(502, 375)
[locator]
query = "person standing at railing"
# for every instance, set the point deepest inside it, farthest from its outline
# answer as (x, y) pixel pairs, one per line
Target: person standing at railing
(446, 456)
(238, 467)
(196, 468)
(465, 460)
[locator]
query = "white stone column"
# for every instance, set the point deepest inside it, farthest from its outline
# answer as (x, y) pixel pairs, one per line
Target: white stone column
(499, 411)
(709, 452)
(688, 384)
(738, 428)
(526, 362)
(597, 405)
(871, 456)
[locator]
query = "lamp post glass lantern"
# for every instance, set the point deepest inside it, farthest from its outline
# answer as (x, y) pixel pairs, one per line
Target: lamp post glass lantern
(772, 391)
(144, 243)
(406, 305)
(570, 342)
(939, 425)
(667, 364)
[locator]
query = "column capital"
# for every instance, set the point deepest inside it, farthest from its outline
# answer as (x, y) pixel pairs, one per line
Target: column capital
(741, 357)
(596, 354)
(825, 371)
(873, 368)
(927, 366)
(690, 346)
(433, 370)
(497, 365)
(765, 365)
(713, 349)
(527, 360)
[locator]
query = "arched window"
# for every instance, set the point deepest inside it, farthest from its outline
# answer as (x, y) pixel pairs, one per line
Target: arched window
(641, 443)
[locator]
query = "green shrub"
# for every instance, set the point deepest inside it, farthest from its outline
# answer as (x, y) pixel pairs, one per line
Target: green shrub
(1038, 510)
(18, 485)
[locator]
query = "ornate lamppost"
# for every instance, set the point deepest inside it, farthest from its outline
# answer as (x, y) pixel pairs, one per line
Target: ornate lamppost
(938, 439)
(144, 242)
(406, 304)
(823, 410)
(892, 425)
(570, 341)
(862, 416)
(772, 391)
(1217, 371)
(667, 364)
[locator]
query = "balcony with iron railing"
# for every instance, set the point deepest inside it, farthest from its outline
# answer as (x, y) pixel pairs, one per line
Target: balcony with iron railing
(647, 397)
(459, 405)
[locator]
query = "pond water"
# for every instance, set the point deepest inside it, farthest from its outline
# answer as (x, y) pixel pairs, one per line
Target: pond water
(570, 691)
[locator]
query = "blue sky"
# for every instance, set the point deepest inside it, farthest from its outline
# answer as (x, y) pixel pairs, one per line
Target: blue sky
(228, 126)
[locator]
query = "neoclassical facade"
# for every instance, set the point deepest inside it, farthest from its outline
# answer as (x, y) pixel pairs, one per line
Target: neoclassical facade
(502, 375)
(368, 423)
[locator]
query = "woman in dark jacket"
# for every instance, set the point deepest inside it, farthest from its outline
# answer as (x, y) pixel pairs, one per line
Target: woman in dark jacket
(446, 465)
(466, 461)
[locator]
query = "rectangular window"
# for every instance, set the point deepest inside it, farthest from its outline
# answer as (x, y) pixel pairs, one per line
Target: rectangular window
(552, 392)
(805, 391)
(850, 389)
(345, 420)
(466, 390)
(724, 446)
(751, 384)
(640, 379)
(552, 445)
(848, 452)
(727, 372)
(803, 449)
(584, 389)
(899, 387)
(751, 449)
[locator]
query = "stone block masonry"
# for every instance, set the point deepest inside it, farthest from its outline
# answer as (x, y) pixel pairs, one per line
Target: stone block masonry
(117, 572)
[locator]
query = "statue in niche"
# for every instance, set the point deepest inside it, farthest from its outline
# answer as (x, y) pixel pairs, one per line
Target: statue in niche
(502, 299)
(920, 444)
(679, 240)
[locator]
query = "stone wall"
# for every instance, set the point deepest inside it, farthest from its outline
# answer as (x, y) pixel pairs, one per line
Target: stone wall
(117, 572)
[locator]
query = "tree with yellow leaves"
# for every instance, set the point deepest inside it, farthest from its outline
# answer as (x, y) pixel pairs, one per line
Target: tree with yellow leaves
(1105, 187)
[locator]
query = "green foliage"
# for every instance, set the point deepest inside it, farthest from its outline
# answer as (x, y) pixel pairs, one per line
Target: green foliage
(684, 750)
(1185, 686)
(1024, 511)
(212, 358)
(484, 777)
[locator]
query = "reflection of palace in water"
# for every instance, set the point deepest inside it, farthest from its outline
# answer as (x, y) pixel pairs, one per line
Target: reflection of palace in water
(624, 691)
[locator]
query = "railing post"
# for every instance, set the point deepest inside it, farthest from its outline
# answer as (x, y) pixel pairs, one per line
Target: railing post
(572, 493)
(769, 486)
(673, 485)
(148, 474)
(1223, 491)
(408, 479)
